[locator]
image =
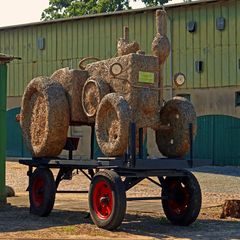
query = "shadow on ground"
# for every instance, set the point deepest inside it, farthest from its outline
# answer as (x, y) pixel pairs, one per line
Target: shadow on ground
(227, 170)
(18, 219)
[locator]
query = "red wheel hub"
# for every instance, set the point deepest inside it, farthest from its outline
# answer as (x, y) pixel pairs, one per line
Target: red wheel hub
(38, 192)
(103, 200)
(179, 200)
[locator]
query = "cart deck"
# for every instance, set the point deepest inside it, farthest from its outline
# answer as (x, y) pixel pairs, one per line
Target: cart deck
(110, 179)
(104, 162)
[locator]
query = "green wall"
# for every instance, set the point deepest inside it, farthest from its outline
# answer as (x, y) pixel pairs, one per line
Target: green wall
(219, 50)
(15, 143)
(69, 40)
(218, 139)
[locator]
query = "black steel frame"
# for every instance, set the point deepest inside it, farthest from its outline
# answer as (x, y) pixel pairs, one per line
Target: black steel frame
(131, 166)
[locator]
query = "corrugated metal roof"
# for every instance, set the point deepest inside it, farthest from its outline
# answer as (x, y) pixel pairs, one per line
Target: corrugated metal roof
(108, 14)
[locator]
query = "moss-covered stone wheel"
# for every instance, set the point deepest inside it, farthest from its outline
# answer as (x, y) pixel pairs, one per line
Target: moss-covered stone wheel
(112, 124)
(93, 92)
(44, 117)
(173, 140)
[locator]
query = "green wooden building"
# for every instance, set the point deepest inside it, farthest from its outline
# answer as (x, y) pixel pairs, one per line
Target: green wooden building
(205, 48)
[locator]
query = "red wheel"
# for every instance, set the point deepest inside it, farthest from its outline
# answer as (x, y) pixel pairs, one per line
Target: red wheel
(103, 200)
(181, 199)
(107, 200)
(42, 192)
(179, 202)
(38, 192)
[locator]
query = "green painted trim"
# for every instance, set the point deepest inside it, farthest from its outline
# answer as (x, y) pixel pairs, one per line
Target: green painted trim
(217, 139)
(3, 132)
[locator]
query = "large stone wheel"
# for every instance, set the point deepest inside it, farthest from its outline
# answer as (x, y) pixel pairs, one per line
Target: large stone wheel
(44, 117)
(173, 140)
(112, 124)
(92, 94)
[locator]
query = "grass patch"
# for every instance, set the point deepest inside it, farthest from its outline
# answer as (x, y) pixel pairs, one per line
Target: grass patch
(69, 229)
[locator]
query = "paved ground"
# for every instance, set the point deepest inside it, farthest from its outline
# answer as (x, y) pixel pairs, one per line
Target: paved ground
(144, 219)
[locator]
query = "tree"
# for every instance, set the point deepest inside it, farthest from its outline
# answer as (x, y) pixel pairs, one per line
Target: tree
(155, 2)
(70, 8)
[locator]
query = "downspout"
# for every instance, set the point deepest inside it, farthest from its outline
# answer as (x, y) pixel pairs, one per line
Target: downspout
(3, 123)
(171, 57)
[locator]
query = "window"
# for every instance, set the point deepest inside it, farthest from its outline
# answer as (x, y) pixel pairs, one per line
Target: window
(41, 43)
(237, 99)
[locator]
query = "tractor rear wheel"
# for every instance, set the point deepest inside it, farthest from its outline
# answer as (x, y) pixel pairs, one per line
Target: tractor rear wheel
(177, 115)
(44, 117)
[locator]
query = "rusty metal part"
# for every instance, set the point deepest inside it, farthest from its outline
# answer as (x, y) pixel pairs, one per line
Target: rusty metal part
(126, 33)
(6, 59)
(80, 64)
(18, 117)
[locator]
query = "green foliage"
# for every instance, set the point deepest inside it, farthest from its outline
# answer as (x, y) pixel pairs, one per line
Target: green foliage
(70, 8)
(155, 2)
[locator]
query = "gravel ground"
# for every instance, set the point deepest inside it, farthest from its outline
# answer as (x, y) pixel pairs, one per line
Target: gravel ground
(144, 219)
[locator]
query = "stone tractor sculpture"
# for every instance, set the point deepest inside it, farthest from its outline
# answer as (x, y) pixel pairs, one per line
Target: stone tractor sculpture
(109, 94)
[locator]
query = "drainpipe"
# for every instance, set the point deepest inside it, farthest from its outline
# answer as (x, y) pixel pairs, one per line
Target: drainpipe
(3, 124)
(171, 57)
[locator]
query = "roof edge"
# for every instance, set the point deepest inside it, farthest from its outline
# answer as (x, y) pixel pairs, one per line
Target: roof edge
(107, 14)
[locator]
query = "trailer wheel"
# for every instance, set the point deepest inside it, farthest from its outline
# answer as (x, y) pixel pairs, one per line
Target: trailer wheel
(184, 199)
(42, 192)
(107, 200)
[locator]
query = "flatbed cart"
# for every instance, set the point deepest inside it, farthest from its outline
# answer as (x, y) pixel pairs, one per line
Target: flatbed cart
(112, 177)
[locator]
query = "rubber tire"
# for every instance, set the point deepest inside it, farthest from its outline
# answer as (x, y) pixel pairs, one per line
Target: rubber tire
(190, 214)
(177, 113)
(113, 109)
(119, 200)
(49, 189)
